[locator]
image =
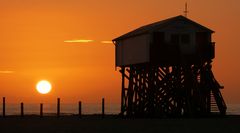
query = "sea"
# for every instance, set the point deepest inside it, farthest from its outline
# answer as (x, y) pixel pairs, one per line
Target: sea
(88, 109)
(66, 109)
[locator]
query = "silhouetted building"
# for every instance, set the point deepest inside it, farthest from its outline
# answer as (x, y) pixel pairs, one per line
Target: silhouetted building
(166, 70)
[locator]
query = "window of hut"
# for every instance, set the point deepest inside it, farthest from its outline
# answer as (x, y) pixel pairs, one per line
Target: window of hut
(185, 38)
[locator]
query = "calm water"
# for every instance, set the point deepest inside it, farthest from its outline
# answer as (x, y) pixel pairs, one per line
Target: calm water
(14, 109)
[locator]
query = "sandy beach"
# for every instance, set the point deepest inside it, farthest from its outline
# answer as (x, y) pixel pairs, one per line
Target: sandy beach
(112, 124)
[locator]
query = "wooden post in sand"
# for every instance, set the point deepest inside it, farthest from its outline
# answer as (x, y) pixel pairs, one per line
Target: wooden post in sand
(80, 109)
(41, 110)
(22, 109)
(3, 108)
(58, 107)
(103, 111)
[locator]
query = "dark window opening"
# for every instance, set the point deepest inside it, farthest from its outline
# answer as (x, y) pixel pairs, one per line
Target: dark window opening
(159, 38)
(175, 39)
(185, 39)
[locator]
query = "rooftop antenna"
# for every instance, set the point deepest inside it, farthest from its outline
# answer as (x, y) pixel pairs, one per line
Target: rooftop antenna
(186, 10)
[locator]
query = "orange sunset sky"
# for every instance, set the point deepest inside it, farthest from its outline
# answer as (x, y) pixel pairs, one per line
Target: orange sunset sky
(36, 42)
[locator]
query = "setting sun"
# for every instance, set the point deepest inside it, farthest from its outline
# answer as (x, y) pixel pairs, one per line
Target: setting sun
(43, 87)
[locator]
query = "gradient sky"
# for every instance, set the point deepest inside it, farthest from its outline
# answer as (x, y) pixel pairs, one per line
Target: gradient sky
(43, 39)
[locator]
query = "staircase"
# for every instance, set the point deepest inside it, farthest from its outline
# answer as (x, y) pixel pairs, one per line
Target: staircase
(217, 103)
(213, 105)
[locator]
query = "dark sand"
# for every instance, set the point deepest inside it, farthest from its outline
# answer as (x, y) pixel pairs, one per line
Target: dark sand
(112, 124)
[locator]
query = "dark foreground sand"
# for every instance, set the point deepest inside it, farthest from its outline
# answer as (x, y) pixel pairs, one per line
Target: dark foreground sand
(112, 124)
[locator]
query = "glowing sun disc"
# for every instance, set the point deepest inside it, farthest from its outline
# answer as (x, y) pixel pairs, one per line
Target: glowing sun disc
(43, 87)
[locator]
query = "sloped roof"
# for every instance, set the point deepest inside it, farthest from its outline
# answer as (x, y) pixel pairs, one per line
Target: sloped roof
(151, 27)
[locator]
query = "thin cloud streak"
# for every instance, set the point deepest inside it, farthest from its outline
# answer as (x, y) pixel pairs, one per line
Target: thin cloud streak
(78, 41)
(86, 41)
(6, 72)
(109, 42)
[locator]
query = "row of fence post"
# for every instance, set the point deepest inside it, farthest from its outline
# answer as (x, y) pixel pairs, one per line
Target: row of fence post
(58, 108)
